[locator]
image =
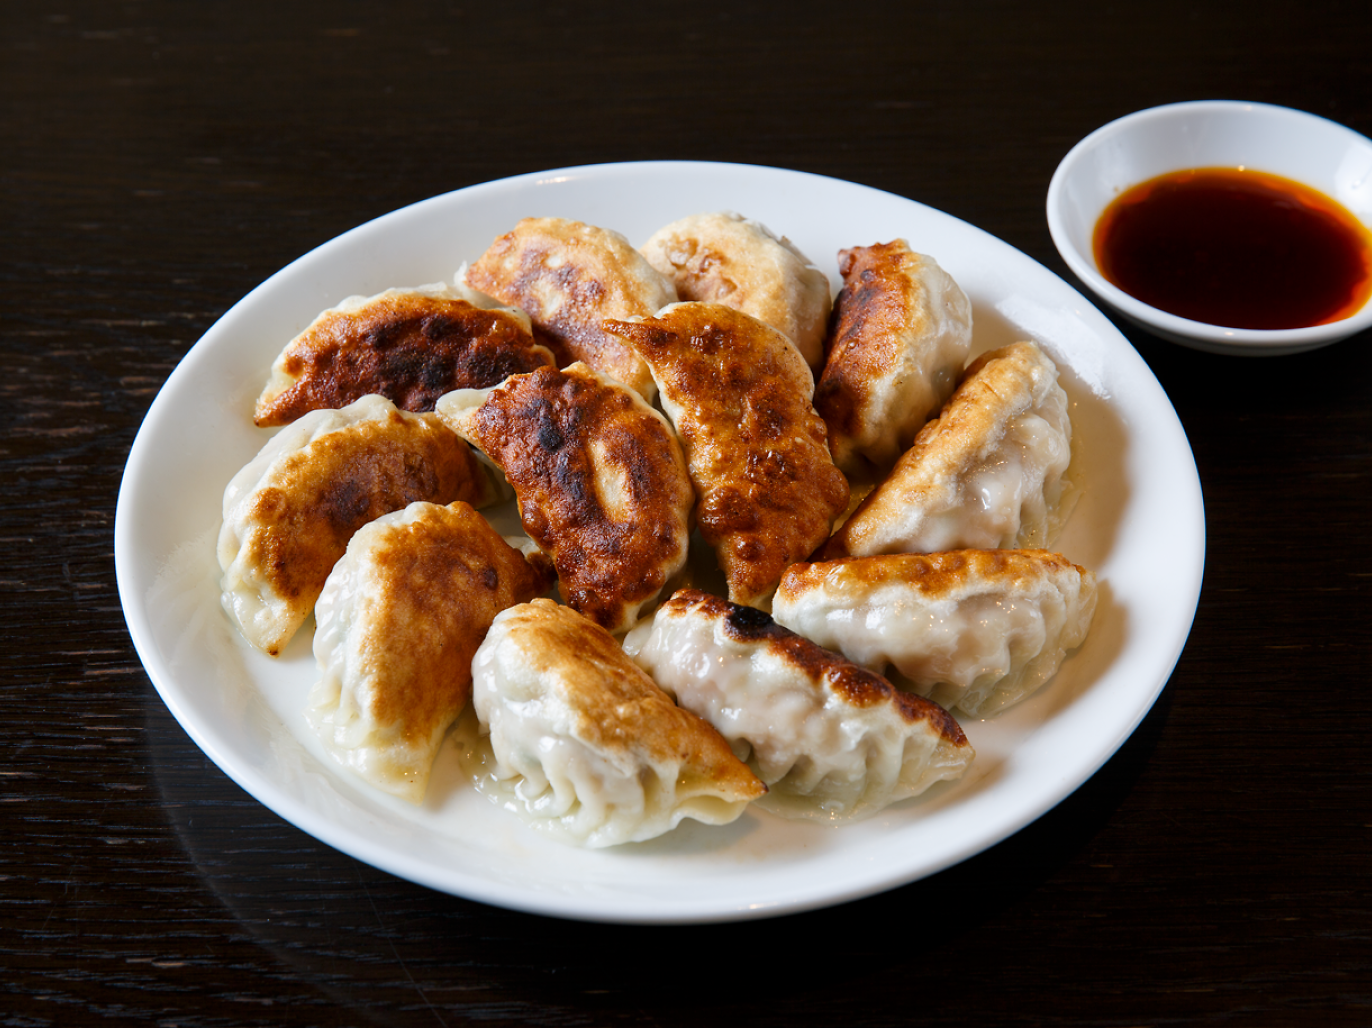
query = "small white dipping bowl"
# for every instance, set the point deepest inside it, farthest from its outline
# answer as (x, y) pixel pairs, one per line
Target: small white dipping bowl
(1207, 134)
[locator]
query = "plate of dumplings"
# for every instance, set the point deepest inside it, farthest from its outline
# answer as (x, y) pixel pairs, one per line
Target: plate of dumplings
(661, 543)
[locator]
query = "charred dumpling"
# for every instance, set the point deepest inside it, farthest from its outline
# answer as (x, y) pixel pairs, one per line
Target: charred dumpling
(408, 345)
(600, 479)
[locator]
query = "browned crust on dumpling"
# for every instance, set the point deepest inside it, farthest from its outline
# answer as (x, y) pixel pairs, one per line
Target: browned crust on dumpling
(341, 481)
(568, 276)
(406, 346)
(996, 386)
(739, 395)
(934, 575)
(441, 579)
(853, 684)
(618, 707)
(873, 313)
(725, 258)
(567, 441)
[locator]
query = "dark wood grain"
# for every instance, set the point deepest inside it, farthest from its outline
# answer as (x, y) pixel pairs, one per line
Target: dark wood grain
(158, 160)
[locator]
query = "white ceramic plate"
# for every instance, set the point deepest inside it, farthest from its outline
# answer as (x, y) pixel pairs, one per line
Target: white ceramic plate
(1140, 525)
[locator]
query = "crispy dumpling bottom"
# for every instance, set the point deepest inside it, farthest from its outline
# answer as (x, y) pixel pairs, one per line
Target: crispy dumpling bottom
(409, 345)
(399, 619)
(601, 481)
(738, 394)
(899, 338)
(289, 513)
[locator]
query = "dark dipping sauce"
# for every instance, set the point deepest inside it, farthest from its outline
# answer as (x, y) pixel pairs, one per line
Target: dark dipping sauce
(1236, 248)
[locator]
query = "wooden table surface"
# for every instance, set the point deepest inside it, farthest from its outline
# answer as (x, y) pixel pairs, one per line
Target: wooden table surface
(160, 159)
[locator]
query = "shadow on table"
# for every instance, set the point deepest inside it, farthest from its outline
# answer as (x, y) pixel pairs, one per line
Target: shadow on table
(1229, 386)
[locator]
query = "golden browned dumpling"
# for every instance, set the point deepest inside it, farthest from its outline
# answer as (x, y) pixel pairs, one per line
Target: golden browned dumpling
(288, 515)
(987, 473)
(408, 345)
(739, 395)
(600, 478)
(569, 276)
(900, 336)
(726, 258)
(584, 745)
(399, 620)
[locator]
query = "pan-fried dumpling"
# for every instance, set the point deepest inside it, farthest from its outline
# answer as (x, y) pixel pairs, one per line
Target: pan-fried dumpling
(583, 745)
(832, 740)
(739, 395)
(900, 336)
(569, 276)
(288, 515)
(600, 478)
(975, 630)
(729, 259)
(398, 622)
(988, 473)
(408, 345)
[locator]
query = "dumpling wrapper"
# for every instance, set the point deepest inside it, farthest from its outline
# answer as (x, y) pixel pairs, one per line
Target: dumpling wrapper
(900, 336)
(289, 513)
(600, 478)
(409, 345)
(569, 276)
(988, 473)
(739, 395)
(580, 742)
(729, 259)
(833, 741)
(398, 622)
(974, 630)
